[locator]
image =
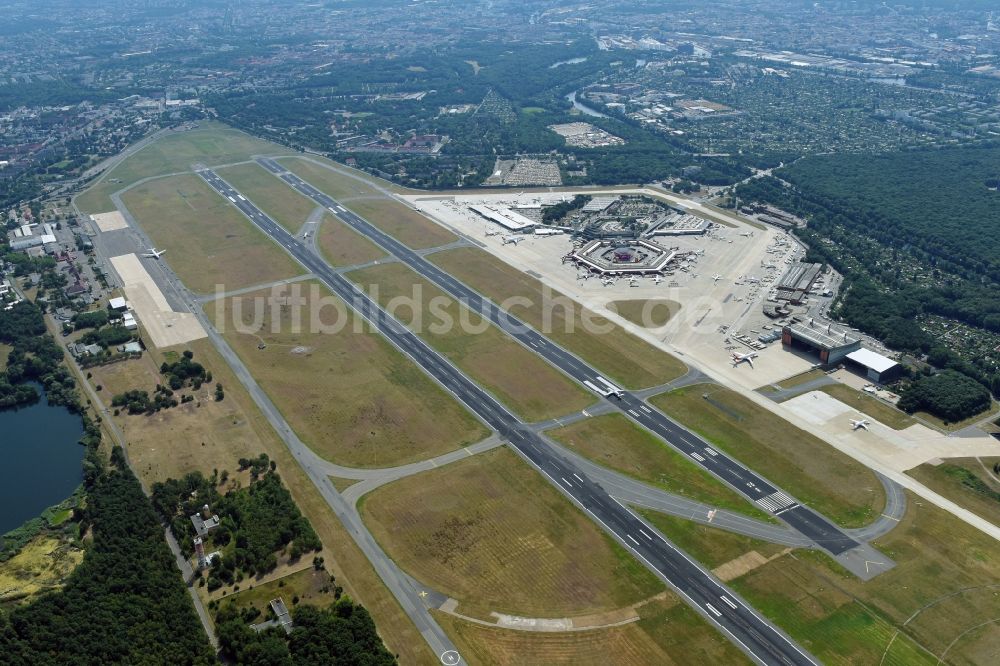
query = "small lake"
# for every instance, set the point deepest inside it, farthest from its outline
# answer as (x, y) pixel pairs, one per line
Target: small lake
(571, 61)
(583, 108)
(40, 460)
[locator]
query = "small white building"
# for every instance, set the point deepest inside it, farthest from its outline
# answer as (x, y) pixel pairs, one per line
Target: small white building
(129, 322)
(118, 304)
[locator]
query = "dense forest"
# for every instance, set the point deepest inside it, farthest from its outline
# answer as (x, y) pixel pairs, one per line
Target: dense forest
(35, 357)
(256, 522)
(124, 604)
(950, 395)
(912, 234)
(342, 634)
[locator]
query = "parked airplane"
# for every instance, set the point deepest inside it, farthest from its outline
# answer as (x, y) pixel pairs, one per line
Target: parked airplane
(657, 279)
(744, 358)
(716, 277)
(860, 425)
(493, 233)
(153, 253)
(607, 282)
(512, 240)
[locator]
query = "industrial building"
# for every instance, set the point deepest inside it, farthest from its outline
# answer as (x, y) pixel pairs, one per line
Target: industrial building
(832, 346)
(878, 368)
(681, 225)
(796, 282)
(506, 218)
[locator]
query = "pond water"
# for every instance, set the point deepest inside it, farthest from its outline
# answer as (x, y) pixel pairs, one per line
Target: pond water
(41, 460)
(584, 109)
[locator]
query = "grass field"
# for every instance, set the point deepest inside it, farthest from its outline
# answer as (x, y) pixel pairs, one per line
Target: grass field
(965, 482)
(211, 144)
(308, 585)
(176, 441)
(620, 355)
(208, 241)
(520, 379)
(470, 531)
(283, 204)
(41, 565)
(668, 633)
(342, 246)
(615, 442)
(5, 351)
(814, 472)
(802, 378)
(349, 395)
(870, 406)
(710, 546)
(946, 581)
(647, 312)
(391, 216)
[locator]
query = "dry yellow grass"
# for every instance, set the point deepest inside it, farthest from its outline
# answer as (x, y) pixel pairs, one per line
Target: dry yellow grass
(517, 377)
(668, 633)
(492, 533)
(41, 565)
(618, 354)
(208, 241)
(201, 435)
(4, 352)
(342, 246)
(349, 395)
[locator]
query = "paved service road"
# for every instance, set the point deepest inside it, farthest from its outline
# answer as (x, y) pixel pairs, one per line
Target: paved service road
(764, 494)
(751, 632)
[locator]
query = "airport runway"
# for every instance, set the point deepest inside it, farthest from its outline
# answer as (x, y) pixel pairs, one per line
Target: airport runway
(752, 633)
(758, 490)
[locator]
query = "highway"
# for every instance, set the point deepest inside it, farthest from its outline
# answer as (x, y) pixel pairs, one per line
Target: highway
(752, 633)
(764, 494)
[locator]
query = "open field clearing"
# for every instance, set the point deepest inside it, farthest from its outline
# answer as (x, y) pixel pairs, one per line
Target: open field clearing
(801, 378)
(965, 482)
(200, 435)
(282, 203)
(396, 219)
(308, 585)
(621, 356)
(342, 246)
(5, 351)
(667, 633)
(651, 312)
(211, 144)
(469, 531)
(41, 565)
(814, 472)
(617, 443)
(208, 241)
(248, 434)
(349, 395)
(946, 581)
(520, 379)
(870, 406)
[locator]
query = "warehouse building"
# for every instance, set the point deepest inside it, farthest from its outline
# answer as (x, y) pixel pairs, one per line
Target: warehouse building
(796, 282)
(831, 345)
(878, 368)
